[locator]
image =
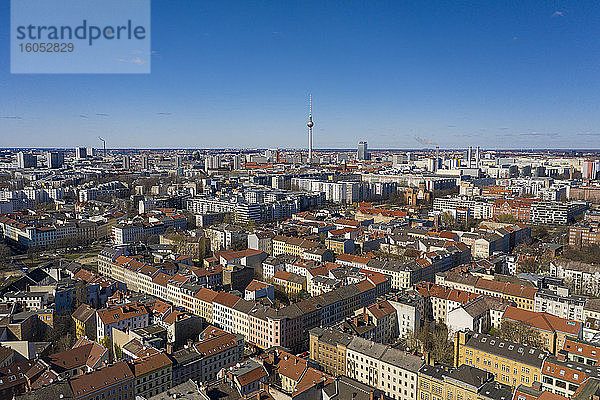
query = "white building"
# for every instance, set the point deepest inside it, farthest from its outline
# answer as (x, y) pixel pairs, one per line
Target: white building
(122, 317)
(385, 368)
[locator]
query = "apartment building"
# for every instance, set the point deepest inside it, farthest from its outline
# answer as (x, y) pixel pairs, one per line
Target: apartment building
(122, 317)
(289, 282)
(203, 360)
(583, 278)
(152, 373)
(560, 303)
(112, 382)
(563, 377)
(479, 209)
(552, 329)
(291, 245)
(439, 382)
(223, 304)
(328, 347)
(555, 212)
(522, 295)
(385, 368)
(584, 234)
(511, 363)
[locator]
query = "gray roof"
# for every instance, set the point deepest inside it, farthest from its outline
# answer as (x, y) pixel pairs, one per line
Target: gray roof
(344, 388)
(332, 336)
(495, 391)
(435, 371)
(243, 306)
(367, 347)
(53, 391)
(507, 349)
(471, 376)
(402, 360)
(188, 389)
(386, 354)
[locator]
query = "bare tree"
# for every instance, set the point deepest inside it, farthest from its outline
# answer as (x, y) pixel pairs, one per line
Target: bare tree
(520, 333)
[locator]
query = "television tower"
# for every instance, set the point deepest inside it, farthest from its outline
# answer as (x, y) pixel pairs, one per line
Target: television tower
(310, 125)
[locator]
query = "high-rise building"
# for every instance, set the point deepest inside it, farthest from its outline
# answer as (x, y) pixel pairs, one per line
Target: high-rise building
(145, 162)
(80, 153)
(212, 162)
(179, 161)
(26, 160)
(237, 162)
(469, 156)
(362, 153)
(589, 169)
(91, 152)
(126, 162)
(55, 159)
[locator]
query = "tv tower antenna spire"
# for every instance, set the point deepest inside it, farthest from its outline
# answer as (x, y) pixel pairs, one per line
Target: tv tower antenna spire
(310, 125)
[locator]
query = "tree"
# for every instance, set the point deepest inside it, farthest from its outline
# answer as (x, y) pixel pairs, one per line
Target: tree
(539, 232)
(528, 265)
(433, 341)
(587, 254)
(32, 253)
(118, 352)
(62, 335)
(448, 220)
(106, 342)
(229, 218)
(520, 333)
(506, 218)
(5, 253)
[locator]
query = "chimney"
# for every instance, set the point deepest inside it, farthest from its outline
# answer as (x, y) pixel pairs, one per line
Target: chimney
(169, 348)
(561, 357)
(537, 385)
(190, 342)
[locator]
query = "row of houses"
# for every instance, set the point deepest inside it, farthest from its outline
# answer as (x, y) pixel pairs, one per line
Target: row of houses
(568, 374)
(400, 375)
(260, 324)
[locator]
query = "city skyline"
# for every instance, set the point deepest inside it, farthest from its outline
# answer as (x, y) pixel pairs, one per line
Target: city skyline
(399, 76)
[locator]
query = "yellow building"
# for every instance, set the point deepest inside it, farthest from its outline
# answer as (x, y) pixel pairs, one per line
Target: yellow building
(340, 245)
(441, 382)
(328, 347)
(291, 245)
(289, 282)
(203, 304)
(552, 329)
(511, 363)
(85, 322)
(522, 295)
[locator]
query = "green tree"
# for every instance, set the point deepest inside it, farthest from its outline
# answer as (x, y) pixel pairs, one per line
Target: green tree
(106, 342)
(118, 352)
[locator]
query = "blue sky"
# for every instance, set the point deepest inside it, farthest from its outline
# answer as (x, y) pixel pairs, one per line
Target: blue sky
(399, 74)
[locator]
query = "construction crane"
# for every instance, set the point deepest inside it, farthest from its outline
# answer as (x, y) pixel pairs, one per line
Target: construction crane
(104, 145)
